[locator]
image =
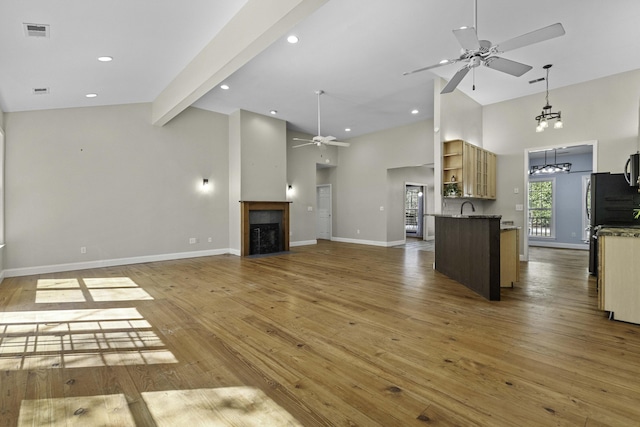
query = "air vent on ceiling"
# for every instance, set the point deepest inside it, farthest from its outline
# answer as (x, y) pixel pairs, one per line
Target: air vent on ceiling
(40, 90)
(36, 30)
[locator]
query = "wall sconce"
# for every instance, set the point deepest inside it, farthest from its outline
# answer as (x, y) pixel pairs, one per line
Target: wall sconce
(290, 187)
(205, 182)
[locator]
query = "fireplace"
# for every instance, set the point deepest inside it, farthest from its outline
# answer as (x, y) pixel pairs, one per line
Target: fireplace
(265, 227)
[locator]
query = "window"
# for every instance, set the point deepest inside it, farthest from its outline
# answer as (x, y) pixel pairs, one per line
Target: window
(541, 208)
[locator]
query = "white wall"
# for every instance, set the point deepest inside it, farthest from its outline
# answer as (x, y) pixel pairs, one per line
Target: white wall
(104, 178)
(605, 110)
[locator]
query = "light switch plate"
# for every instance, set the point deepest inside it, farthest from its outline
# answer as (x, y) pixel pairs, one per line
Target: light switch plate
(519, 207)
(516, 190)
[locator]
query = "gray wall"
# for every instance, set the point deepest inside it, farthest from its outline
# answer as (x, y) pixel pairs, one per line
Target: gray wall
(263, 152)
(457, 117)
(104, 178)
(362, 179)
(301, 174)
(396, 183)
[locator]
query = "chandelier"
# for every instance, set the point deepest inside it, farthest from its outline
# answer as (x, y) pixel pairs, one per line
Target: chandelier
(548, 168)
(547, 114)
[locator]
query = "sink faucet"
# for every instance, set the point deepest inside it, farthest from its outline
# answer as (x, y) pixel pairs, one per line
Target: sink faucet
(473, 208)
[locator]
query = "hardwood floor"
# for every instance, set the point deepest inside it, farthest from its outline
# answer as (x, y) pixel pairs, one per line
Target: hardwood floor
(329, 335)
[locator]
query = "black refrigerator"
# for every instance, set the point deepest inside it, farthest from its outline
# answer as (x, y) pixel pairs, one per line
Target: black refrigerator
(612, 204)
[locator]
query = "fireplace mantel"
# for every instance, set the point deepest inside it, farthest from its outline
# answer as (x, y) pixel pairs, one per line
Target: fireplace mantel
(249, 206)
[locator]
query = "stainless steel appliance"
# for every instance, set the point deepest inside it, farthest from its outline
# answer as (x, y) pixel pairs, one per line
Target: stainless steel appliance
(612, 204)
(632, 170)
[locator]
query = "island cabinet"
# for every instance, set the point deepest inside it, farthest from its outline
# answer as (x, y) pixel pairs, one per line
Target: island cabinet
(618, 273)
(468, 251)
(470, 169)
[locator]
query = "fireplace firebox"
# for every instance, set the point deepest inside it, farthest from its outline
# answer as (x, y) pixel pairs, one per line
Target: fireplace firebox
(265, 227)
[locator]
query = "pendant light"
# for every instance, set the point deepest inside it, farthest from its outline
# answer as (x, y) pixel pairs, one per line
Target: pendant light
(547, 114)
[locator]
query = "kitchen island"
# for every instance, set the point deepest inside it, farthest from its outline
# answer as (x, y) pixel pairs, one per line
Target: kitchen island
(468, 251)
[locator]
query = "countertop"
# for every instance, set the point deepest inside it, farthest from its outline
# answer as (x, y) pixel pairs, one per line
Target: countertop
(631, 231)
(472, 216)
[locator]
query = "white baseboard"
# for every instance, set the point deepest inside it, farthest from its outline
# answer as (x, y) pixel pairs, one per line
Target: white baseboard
(581, 246)
(44, 269)
(368, 242)
(303, 243)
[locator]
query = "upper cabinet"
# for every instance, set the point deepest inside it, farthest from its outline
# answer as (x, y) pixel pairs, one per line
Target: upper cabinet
(468, 171)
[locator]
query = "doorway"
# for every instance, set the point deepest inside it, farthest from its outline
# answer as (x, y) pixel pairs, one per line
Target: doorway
(555, 193)
(323, 214)
(414, 210)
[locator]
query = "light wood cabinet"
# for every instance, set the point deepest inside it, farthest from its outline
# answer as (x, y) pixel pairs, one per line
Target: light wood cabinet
(618, 272)
(471, 168)
(509, 257)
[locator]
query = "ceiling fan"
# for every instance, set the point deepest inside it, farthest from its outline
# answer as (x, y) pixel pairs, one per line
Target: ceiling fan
(477, 52)
(320, 140)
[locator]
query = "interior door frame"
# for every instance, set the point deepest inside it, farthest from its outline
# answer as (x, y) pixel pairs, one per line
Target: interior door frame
(425, 189)
(525, 190)
(318, 186)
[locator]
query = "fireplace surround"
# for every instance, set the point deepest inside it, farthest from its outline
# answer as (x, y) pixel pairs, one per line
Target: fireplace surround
(264, 227)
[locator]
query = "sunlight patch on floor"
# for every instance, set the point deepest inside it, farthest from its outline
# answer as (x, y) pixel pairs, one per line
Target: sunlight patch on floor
(78, 338)
(230, 406)
(89, 289)
(107, 410)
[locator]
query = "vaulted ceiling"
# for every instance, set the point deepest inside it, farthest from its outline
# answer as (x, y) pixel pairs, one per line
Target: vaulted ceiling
(354, 50)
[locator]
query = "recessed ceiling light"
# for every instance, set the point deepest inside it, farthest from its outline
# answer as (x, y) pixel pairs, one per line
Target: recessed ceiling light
(105, 58)
(91, 95)
(293, 39)
(224, 87)
(414, 111)
(274, 112)
(347, 130)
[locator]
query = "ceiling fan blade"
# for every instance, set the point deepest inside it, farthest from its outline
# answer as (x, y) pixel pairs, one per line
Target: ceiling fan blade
(439, 64)
(328, 138)
(468, 38)
(301, 139)
(338, 143)
(455, 80)
(304, 145)
(507, 66)
(546, 33)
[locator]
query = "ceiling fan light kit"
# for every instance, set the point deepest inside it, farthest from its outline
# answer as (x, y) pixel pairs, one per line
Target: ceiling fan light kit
(547, 114)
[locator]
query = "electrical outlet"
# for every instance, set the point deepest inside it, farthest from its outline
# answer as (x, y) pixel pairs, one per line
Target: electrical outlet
(516, 190)
(381, 208)
(310, 208)
(209, 240)
(83, 249)
(192, 240)
(358, 231)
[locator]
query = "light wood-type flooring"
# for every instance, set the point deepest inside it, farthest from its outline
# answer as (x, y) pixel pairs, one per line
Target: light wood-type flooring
(332, 334)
